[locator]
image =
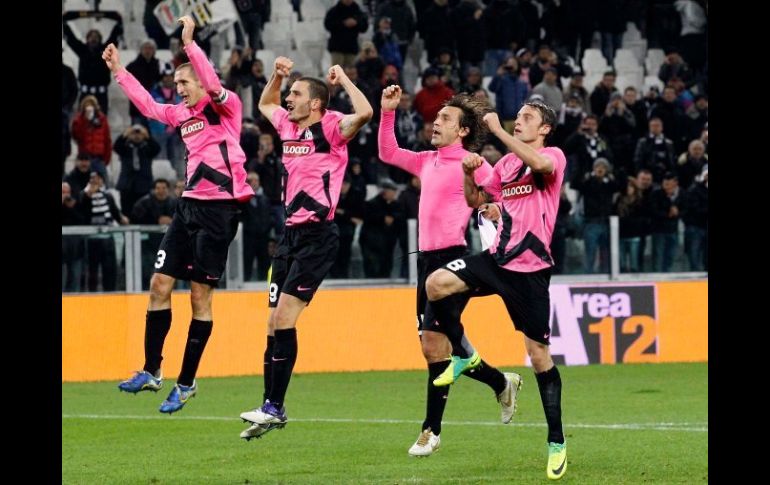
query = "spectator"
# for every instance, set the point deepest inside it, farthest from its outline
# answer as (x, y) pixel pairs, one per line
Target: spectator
(468, 26)
(665, 204)
(633, 225)
(167, 136)
(571, 117)
(344, 21)
(270, 169)
(386, 42)
(695, 210)
(690, 164)
(473, 81)
(100, 209)
(561, 231)
(155, 207)
(255, 216)
(617, 126)
(655, 152)
(602, 92)
(432, 96)
(510, 92)
(348, 215)
(136, 150)
(503, 25)
(586, 146)
(72, 246)
(597, 190)
(146, 70)
(576, 88)
(91, 132)
(639, 110)
(436, 29)
(551, 93)
(380, 231)
(93, 74)
(402, 22)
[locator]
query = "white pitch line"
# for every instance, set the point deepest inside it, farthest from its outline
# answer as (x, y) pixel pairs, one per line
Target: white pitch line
(691, 427)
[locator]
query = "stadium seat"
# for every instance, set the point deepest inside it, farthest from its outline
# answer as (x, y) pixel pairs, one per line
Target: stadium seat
(162, 169)
(653, 61)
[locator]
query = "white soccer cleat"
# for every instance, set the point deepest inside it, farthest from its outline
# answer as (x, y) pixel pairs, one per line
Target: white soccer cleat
(508, 398)
(267, 414)
(426, 444)
(258, 430)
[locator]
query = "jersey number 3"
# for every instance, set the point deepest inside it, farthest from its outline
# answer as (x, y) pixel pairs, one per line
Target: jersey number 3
(161, 259)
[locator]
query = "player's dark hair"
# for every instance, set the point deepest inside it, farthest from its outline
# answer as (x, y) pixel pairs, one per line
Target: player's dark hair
(471, 117)
(317, 90)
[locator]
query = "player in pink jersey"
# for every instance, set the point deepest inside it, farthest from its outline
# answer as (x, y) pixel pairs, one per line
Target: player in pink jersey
(525, 188)
(206, 219)
(443, 217)
(315, 155)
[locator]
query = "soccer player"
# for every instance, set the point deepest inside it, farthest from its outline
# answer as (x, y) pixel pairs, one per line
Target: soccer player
(443, 219)
(525, 187)
(206, 219)
(315, 155)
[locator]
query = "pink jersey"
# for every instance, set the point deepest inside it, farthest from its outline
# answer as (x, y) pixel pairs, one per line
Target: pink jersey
(314, 161)
(211, 131)
(528, 205)
(443, 212)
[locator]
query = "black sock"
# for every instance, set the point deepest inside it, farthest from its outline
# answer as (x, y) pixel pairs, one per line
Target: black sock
(284, 356)
(489, 375)
(268, 366)
(549, 383)
(437, 397)
(447, 314)
(197, 337)
(157, 324)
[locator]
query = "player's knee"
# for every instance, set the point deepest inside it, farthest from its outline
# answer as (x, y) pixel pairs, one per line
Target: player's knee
(437, 285)
(435, 346)
(160, 287)
(200, 296)
(540, 357)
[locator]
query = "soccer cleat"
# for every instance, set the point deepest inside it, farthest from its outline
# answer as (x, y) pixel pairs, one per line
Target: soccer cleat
(509, 397)
(178, 398)
(267, 414)
(258, 430)
(426, 444)
(557, 460)
(457, 366)
(141, 381)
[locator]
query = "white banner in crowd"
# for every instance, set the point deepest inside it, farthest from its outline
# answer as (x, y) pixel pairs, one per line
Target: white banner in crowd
(168, 11)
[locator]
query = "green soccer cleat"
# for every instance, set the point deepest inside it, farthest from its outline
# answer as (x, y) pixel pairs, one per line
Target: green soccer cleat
(557, 460)
(456, 367)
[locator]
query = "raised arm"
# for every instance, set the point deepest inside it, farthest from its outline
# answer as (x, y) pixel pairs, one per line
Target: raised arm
(135, 91)
(270, 100)
(537, 162)
(362, 110)
(203, 69)
(389, 151)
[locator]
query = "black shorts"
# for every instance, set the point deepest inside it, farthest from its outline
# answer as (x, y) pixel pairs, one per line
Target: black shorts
(427, 263)
(304, 256)
(196, 243)
(525, 295)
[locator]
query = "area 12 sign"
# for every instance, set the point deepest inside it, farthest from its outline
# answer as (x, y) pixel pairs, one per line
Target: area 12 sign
(603, 324)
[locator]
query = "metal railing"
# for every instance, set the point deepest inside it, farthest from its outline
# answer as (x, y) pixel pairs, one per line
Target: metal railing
(134, 258)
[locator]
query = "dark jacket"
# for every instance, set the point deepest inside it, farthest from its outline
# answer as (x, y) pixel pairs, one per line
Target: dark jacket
(135, 175)
(344, 39)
